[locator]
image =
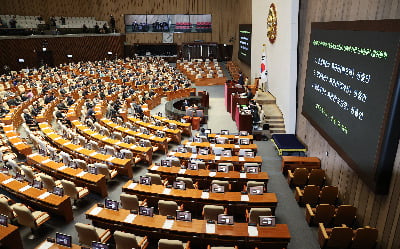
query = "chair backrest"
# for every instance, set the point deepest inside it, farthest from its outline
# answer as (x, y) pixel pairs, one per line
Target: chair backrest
(324, 214)
(365, 238)
(48, 182)
(103, 169)
(222, 183)
(340, 237)
(80, 164)
(257, 212)
(316, 177)
(167, 208)
(129, 201)
(311, 194)
(188, 182)
(345, 214)
(117, 135)
(211, 212)
(70, 189)
(254, 184)
(86, 233)
(329, 195)
(125, 240)
(155, 178)
(170, 244)
(24, 216)
(300, 177)
(5, 209)
(29, 176)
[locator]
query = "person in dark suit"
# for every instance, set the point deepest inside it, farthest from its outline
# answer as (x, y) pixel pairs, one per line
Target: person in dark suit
(241, 79)
(249, 94)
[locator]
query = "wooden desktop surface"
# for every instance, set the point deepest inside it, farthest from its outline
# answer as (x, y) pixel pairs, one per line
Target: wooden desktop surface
(10, 237)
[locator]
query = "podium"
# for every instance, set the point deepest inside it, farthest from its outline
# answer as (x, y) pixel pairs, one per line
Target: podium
(244, 119)
(237, 100)
(229, 89)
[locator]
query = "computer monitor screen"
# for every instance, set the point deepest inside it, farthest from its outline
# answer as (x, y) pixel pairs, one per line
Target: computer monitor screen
(146, 211)
(21, 60)
(147, 132)
(93, 170)
(160, 134)
(223, 168)
(224, 219)
(266, 221)
(37, 184)
(111, 204)
(249, 154)
(227, 153)
(244, 141)
(215, 188)
(256, 190)
(69, 55)
(145, 180)
(252, 169)
(179, 185)
(182, 149)
(58, 191)
(243, 133)
(192, 166)
(220, 140)
(207, 131)
(63, 240)
(183, 215)
(98, 245)
(166, 163)
(197, 139)
(19, 177)
(203, 151)
(73, 165)
(224, 132)
(3, 220)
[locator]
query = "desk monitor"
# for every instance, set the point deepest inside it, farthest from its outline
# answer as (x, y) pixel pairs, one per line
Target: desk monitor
(98, 245)
(266, 221)
(220, 140)
(3, 220)
(63, 240)
(197, 140)
(243, 133)
(111, 204)
(182, 149)
(145, 180)
(223, 168)
(183, 215)
(227, 153)
(249, 154)
(179, 185)
(146, 211)
(211, 140)
(192, 166)
(215, 188)
(252, 169)
(224, 219)
(58, 191)
(146, 132)
(207, 131)
(203, 151)
(244, 141)
(93, 170)
(19, 177)
(160, 134)
(256, 190)
(166, 163)
(37, 184)
(224, 132)
(73, 165)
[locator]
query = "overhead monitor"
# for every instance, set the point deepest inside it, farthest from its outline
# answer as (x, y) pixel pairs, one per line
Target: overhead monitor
(352, 94)
(244, 52)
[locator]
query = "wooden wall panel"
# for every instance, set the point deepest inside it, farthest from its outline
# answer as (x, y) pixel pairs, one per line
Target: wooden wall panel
(376, 210)
(82, 48)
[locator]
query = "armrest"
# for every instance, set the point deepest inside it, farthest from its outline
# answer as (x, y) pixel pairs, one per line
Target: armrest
(298, 195)
(181, 207)
(290, 174)
(107, 232)
(143, 244)
(187, 245)
(247, 215)
(322, 235)
(196, 185)
(309, 214)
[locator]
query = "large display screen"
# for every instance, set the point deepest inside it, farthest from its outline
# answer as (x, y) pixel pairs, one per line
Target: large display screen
(180, 23)
(351, 94)
(244, 53)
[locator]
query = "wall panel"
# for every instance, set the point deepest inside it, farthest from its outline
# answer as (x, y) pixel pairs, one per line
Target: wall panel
(376, 210)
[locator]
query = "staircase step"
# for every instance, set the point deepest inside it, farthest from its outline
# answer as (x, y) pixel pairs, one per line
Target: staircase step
(277, 130)
(275, 125)
(265, 98)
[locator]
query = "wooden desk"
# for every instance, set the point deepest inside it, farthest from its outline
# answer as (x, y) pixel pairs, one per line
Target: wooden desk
(233, 147)
(244, 120)
(233, 137)
(95, 183)
(15, 140)
(59, 205)
(217, 159)
(50, 245)
(293, 162)
(204, 176)
(198, 231)
(185, 127)
(10, 237)
(192, 198)
(174, 134)
(122, 165)
(229, 89)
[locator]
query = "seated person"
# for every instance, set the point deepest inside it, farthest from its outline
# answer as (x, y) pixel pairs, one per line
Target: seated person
(61, 106)
(28, 118)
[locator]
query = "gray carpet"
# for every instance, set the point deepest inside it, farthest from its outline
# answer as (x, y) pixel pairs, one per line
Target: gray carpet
(303, 237)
